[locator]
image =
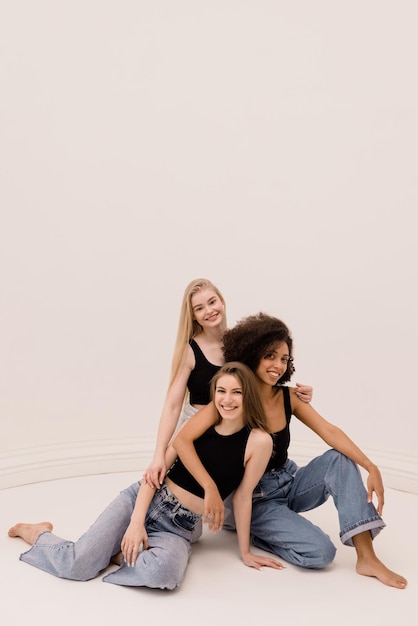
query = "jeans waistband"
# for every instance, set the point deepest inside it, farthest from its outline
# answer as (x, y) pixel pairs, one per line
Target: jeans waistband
(287, 465)
(168, 496)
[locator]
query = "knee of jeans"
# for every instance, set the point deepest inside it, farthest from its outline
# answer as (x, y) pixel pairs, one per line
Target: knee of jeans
(328, 552)
(338, 457)
(316, 554)
(338, 461)
(333, 455)
(322, 555)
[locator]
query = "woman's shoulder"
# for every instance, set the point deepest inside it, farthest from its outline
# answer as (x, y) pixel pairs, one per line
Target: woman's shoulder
(259, 446)
(258, 436)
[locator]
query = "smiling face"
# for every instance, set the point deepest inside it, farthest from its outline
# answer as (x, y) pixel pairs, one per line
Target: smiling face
(228, 398)
(208, 308)
(273, 364)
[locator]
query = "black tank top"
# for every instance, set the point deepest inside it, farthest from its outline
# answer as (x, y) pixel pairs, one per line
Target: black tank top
(223, 458)
(281, 439)
(200, 376)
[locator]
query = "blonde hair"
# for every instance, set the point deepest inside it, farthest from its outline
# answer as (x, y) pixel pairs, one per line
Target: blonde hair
(188, 327)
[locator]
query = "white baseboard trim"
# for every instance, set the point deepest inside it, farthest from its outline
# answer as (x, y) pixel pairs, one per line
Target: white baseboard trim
(399, 470)
(81, 458)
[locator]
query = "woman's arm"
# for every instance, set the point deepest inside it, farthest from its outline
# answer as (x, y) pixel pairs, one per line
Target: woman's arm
(258, 452)
(183, 445)
(337, 439)
(136, 536)
(154, 474)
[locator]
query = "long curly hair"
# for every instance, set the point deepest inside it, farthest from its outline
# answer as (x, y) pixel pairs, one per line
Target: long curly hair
(253, 337)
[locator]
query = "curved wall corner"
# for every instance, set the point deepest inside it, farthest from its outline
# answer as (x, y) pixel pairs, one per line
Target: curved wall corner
(399, 470)
(81, 458)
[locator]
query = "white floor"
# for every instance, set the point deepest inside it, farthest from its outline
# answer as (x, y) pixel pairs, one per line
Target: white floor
(218, 588)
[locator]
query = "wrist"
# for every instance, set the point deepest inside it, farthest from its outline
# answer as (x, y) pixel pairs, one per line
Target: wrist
(138, 520)
(159, 455)
(210, 487)
(245, 554)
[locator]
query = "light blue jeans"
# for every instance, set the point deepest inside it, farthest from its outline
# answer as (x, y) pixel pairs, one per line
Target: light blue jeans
(281, 495)
(169, 526)
(188, 411)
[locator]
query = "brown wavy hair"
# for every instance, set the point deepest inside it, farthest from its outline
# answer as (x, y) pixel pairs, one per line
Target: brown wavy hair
(254, 415)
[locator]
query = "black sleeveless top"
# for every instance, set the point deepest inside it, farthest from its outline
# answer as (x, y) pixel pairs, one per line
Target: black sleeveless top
(223, 458)
(281, 439)
(200, 376)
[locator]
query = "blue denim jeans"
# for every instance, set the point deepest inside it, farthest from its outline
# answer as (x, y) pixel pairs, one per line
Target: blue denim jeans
(282, 494)
(169, 526)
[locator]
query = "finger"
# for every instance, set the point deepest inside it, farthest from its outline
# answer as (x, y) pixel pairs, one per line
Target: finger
(210, 519)
(212, 522)
(134, 554)
(207, 516)
(275, 564)
(127, 553)
(218, 521)
(124, 553)
(152, 479)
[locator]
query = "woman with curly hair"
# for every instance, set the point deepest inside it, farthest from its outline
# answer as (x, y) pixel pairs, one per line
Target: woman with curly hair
(264, 343)
(197, 357)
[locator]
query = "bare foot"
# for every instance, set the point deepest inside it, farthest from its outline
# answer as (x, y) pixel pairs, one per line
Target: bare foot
(29, 532)
(374, 567)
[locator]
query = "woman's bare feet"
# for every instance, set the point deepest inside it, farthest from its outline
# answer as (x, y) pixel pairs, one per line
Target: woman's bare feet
(29, 532)
(373, 567)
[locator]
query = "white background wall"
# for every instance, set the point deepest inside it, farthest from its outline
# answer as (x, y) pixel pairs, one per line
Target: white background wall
(270, 146)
